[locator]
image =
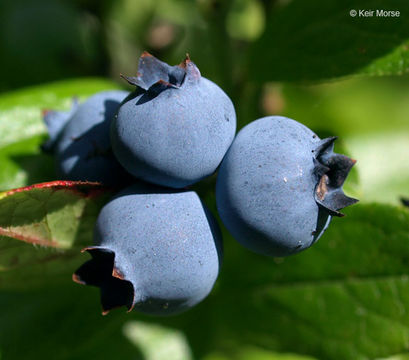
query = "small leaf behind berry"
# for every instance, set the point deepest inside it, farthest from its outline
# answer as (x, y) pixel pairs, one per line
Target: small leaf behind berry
(57, 214)
(57, 218)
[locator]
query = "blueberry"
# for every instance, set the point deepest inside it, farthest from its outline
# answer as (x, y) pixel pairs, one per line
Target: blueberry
(156, 251)
(83, 150)
(55, 122)
(175, 128)
(279, 186)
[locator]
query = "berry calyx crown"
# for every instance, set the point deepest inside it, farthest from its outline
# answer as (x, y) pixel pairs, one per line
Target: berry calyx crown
(331, 170)
(155, 75)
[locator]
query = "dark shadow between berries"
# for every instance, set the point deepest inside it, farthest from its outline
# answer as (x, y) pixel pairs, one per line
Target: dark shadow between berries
(214, 228)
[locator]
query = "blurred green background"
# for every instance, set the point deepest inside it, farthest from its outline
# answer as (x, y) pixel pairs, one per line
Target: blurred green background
(346, 298)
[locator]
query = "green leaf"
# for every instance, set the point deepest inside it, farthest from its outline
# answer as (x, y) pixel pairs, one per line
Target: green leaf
(395, 63)
(347, 297)
(63, 321)
(24, 266)
(303, 42)
(404, 356)
(59, 215)
(67, 321)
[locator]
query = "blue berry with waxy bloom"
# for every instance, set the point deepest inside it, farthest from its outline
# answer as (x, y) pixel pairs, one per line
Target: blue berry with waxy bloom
(55, 122)
(176, 127)
(279, 186)
(156, 251)
(83, 150)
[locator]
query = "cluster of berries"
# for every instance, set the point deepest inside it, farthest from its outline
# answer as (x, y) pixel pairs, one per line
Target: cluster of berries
(157, 247)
